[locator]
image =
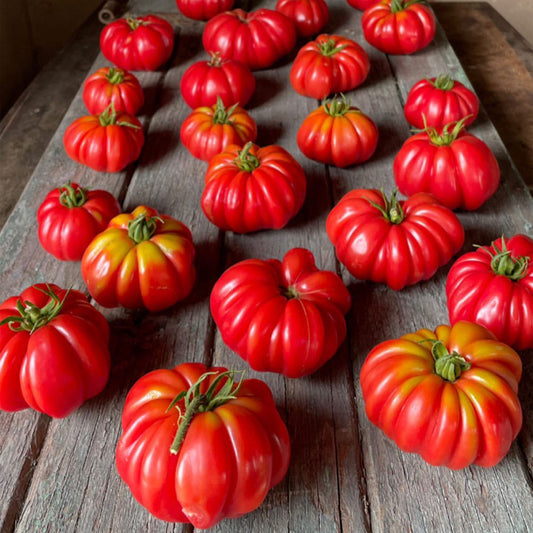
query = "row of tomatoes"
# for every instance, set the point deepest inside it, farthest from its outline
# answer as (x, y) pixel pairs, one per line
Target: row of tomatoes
(283, 316)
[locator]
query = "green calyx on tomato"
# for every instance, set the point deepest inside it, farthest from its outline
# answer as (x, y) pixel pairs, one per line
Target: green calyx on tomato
(338, 106)
(400, 5)
(142, 228)
(503, 264)
(330, 47)
(71, 197)
(115, 75)
(108, 117)
(445, 137)
(246, 161)
(197, 402)
(215, 60)
(448, 366)
(32, 317)
(221, 114)
(134, 23)
(443, 82)
(392, 210)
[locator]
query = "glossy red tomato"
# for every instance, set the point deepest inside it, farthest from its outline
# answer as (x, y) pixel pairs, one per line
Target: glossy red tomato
(142, 259)
(53, 350)
(285, 317)
(70, 217)
(438, 101)
(206, 81)
(399, 26)
(207, 131)
(493, 286)
(257, 39)
(108, 142)
(110, 84)
(252, 188)
(338, 134)
(141, 43)
(329, 64)
(203, 9)
(449, 395)
(197, 447)
(308, 16)
(456, 167)
(394, 242)
(362, 4)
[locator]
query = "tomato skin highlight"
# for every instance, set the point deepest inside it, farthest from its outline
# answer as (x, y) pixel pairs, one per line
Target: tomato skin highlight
(471, 420)
(281, 316)
(229, 459)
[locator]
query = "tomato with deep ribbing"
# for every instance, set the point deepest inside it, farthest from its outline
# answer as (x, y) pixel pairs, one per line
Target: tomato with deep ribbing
(309, 16)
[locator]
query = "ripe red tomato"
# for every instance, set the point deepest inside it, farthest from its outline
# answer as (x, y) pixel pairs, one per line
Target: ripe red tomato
(107, 142)
(394, 242)
(362, 4)
(257, 39)
(493, 286)
(308, 16)
(197, 447)
(71, 216)
(456, 167)
(203, 9)
(329, 64)
(285, 317)
(438, 101)
(142, 259)
(207, 131)
(53, 350)
(252, 188)
(110, 84)
(206, 81)
(337, 134)
(141, 43)
(449, 396)
(399, 26)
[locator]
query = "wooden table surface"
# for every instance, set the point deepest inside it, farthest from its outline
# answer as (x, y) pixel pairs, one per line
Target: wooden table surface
(345, 475)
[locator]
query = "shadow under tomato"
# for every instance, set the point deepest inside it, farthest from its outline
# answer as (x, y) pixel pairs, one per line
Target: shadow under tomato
(266, 89)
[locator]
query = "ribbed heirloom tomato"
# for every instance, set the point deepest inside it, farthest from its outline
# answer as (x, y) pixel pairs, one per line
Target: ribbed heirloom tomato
(329, 64)
(206, 81)
(137, 43)
(142, 259)
(53, 351)
(197, 447)
(337, 134)
(399, 26)
(112, 85)
(436, 102)
(456, 167)
(71, 216)
(493, 286)
(203, 9)
(281, 316)
(362, 4)
(207, 131)
(394, 242)
(257, 39)
(253, 188)
(107, 142)
(309, 16)
(449, 395)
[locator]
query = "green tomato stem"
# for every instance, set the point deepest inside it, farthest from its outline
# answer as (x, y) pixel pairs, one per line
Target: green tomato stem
(443, 82)
(115, 75)
(504, 264)
(142, 228)
(445, 138)
(71, 197)
(448, 366)
(392, 211)
(246, 161)
(329, 48)
(221, 114)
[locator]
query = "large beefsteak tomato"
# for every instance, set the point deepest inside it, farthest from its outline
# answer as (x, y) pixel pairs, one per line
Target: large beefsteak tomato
(107, 142)
(196, 447)
(141, 43)
(337, 134)
(394, 242)
(253, 188)
(399, 26)
(207, 131)
(257, 39)
(493, 286)
(449, 395)
(142, 259)
(70, 217)
(281, 316)
(309, 16)
(54, 351)
(329, 64)
(206, 81)
(456, 167)
(203, 9)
